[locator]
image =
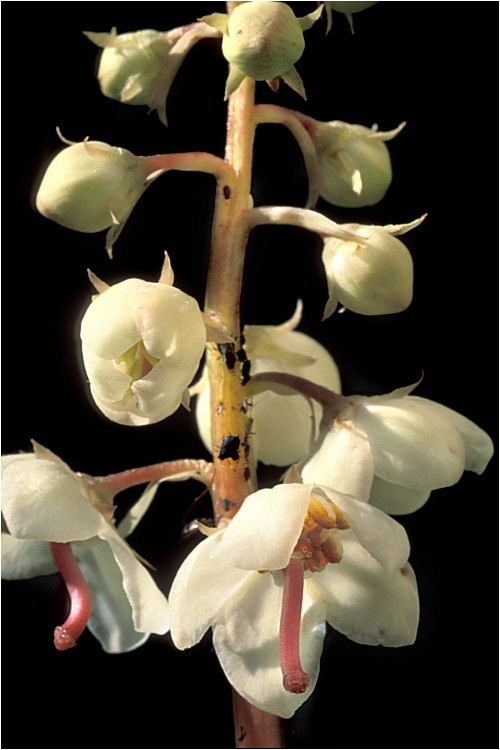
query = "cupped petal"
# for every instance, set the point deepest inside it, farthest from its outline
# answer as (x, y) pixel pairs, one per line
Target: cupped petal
(477, 443)
(23, 558)
(246, 640)
(42, 500)
(170, 323)
(149, 606)
(343, 462)
(414, 444)
(108, 327)
(265, 530)
(383, 537)
(108, 383)
(200, 589)
(366, 602)
(111, 613)
(396, 500)
(160, 392)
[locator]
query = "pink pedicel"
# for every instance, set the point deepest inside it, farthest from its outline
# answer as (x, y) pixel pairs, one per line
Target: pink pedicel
(67, 634)
(295, 680)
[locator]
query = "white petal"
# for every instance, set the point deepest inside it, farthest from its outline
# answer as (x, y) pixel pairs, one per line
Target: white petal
(22, 558)
(478, 444)
(413, 443)
(200, 589)
(365, 602)
(265, 530)
(42, 500)
(111, 614)
(246, 640)
(149, 606)
(108, 327)
(170, 323)
(108, 384)
(396, 500)
(383, 537)
(343, 462)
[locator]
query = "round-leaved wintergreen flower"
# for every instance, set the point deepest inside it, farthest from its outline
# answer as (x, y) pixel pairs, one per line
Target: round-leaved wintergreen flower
(293, 558)
(142, 343)
(45, 503)
(393, 450)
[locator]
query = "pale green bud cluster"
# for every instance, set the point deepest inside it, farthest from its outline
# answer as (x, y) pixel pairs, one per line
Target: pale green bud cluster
(91, 185)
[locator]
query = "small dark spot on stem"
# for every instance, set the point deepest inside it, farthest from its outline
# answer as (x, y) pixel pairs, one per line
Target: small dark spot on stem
(226, 190)
(227, 504)
(243, 734)
(228, 355)
(245, 372)
(229, 447)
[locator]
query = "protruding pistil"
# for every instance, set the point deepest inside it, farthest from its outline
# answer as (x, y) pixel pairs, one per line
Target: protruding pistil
(295, 680)
(67, 634)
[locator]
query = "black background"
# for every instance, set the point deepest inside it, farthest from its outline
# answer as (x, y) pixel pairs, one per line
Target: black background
(431, 64)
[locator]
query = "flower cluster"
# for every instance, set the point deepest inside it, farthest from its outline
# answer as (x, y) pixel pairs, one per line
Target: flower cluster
(321, 546)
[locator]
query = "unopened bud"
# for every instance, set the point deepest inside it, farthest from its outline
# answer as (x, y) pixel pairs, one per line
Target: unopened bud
(90, 185)
(372, 277)
(355, 166)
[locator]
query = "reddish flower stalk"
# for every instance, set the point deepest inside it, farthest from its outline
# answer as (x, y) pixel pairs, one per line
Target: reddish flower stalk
(67, 634)
(198, 468)
(295, 680)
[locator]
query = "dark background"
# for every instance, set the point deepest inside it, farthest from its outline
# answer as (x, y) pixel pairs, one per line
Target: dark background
(431, 64)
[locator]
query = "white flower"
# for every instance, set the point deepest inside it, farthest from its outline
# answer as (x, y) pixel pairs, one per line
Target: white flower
(283, 426)
(139, 67)
(263, 40)
(142, 343)
(370, 276)
(44, 501)
(246, 581)
(354, 163)
(393, 450)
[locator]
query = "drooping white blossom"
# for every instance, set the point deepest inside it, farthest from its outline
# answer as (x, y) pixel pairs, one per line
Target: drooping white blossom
(393, 450)
(142, 343)
(233, 582)
(44, 501)
(283, 427)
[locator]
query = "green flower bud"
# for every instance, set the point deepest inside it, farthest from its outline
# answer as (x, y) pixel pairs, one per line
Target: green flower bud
(263, 40)
(373, 276)
(139, 67)
(354, 163)
(91, 186)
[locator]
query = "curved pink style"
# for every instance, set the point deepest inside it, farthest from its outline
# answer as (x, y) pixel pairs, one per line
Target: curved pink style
(67, 634)
(295, 680)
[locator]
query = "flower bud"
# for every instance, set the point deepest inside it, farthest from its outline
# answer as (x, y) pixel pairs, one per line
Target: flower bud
(139, 67)
(371, 277)
(354, 163)
(283, 426)
(90, 186)
(142, 343)
(263, 40)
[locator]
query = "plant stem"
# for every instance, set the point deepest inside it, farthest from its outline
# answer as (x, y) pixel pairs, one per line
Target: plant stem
(229, 407)
(231, 422)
